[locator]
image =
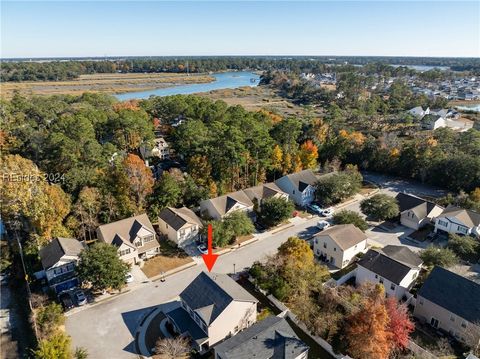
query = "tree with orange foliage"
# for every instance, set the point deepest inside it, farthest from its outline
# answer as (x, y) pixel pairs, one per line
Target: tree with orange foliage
(366, 330)
(308, 154)
(141, 179)
(399, 325)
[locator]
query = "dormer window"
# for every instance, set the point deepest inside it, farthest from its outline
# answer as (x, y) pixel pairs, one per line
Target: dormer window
(138, 243)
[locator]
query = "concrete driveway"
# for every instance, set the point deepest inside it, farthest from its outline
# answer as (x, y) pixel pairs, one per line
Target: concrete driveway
(107, 329)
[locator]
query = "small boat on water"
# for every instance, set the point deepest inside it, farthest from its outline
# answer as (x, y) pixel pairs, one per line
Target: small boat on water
(253, 80)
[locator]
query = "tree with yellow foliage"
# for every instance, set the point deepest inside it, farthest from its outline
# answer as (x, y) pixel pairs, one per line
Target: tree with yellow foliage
(308, 154)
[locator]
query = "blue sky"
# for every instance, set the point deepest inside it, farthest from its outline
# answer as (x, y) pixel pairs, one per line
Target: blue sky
(116, 28)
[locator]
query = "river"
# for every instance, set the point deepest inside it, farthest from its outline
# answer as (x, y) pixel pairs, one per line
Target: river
(223, 80)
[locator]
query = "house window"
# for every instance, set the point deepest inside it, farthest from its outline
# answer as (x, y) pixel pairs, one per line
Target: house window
(442, 223)
(462, 229)
(376, 276)
(124, 252)
(138, 243)
(324, 245)
(381, 280)
(334, 249)
(464, 324)
(392, 286)
(147, 239)
(182, 232)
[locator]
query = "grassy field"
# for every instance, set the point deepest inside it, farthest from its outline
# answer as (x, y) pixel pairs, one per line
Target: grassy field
(107, 83)
(257, 98)
(170, 257)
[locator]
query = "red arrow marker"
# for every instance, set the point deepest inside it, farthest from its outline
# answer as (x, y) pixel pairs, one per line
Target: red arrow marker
(209, 258)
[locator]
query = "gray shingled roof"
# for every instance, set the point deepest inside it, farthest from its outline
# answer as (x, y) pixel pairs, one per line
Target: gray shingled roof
(185, 323)
(419, 206)
(302, 179)
(178, 217)
(224, 203)
(403, 255)
(453, 292)
(270, 338)
(345, 235)
(209, 294)
(57, 248)
(125, 229)
(265, 190)
(470, 218)
(386, 267)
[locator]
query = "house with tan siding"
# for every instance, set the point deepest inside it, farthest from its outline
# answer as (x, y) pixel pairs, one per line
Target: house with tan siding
(134, 238)
(213, 307)
(416, 212)
(338, 245)
(450, 302)
(180, 225)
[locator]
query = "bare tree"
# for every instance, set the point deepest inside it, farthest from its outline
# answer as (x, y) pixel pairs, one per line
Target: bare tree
(172, 348)
(472, 338)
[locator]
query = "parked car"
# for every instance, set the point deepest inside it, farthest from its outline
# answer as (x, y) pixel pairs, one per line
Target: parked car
(322, 225)
(80, 297)
(328, 212)
(314, 208)
(202, 248)
(66, 301)
(129, 278)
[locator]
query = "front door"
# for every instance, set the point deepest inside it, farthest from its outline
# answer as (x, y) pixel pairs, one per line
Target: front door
(434, 322)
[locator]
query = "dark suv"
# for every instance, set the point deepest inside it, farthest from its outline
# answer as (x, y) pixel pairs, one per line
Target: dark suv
(66, 301)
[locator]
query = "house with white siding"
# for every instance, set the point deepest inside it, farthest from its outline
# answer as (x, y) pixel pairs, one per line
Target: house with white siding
(458, 221)
(395, 267)
(299, 186)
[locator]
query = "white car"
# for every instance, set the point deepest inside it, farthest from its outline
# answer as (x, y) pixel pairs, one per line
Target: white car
(202, 248)
(327, 212)
(322, 225)
(128, 277)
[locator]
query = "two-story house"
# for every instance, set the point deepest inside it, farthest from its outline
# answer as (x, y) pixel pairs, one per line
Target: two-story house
(416, 212)
(450, 302)
(59, 259)
(219, 207)
(271, 338)
(338, 245)
(458, 221)
(180, 225)
(134, 238)
(213, 307)
(299, 186)
(395, 267)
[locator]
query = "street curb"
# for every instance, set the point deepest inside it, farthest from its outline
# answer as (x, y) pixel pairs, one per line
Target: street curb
(172, 271)
(95, 303)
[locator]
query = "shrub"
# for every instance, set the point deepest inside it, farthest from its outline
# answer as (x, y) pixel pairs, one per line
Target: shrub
(380, 207)
(350, 217)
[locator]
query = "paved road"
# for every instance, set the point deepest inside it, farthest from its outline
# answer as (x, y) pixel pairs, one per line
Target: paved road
(105, 329)
(393, 185)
